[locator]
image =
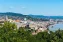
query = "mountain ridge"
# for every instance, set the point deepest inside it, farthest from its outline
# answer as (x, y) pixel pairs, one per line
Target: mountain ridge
(30, 16)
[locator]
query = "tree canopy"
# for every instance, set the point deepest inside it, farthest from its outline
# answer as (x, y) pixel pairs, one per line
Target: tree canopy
(10, 33)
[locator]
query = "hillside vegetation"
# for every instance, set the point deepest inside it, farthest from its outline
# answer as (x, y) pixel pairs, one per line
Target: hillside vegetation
(10, 33)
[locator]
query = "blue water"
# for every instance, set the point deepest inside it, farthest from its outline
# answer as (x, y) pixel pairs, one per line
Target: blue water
(56, 27)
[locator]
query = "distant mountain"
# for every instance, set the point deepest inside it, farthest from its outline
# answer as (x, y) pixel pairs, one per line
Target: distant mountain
(11, 13)
(36, 16)
(46, 17)
(55, 17)
(14, 15)
(30, 16)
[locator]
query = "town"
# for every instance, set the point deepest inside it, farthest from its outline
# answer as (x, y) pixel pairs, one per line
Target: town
(38, 26)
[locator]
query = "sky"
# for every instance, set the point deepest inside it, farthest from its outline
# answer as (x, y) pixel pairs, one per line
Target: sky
(35, 7)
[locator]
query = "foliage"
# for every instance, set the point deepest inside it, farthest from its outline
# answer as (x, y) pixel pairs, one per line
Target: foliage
(9, 33)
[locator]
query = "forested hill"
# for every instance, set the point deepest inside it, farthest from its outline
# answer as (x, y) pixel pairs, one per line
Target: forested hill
(11, 14)
(46, 17)
(14, 15)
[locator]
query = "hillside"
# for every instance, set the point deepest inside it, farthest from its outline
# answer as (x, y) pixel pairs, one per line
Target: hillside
(31, 17)
(46, 17)
(14, 15)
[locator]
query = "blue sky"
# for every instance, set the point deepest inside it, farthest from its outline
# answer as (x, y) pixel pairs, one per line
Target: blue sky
(36, 7)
